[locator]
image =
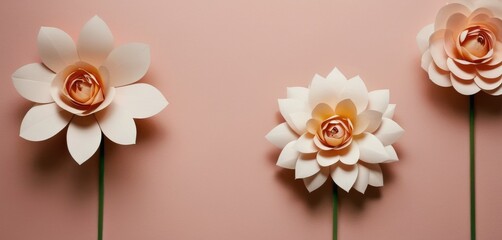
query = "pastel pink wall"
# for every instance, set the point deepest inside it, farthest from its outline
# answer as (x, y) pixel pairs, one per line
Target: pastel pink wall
(222, 64)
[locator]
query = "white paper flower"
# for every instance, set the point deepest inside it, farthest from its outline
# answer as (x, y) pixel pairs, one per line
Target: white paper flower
(88, 86)
(336, 128)
(463, 48)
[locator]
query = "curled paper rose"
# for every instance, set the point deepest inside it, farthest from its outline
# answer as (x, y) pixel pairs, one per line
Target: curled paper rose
(336, 128)
(88, 86)
(463, 48)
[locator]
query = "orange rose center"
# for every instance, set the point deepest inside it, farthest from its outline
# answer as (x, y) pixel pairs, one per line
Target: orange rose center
(336, 132)
(476, 40)
(84, 88)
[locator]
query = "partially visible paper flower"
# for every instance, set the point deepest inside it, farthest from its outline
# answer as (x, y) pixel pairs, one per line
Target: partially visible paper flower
(88, 85)
(463, 48)
(336, 128)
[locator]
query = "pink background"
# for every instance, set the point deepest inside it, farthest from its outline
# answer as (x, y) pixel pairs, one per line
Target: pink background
(222, 65)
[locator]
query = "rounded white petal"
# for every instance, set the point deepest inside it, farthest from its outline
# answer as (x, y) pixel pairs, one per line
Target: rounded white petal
(323, 91)
(289, 155)
(317, 180)
(95, 42)
(389, 113)
(56, 48)
(327, 158)
(117, 125)
(348, 109)
(438, 76)
(281, 135)
(140, 100)
(389, 131)
(392, 154)
(495, 92)
(356, 91)
(378, 100)
(305, 144)
(363, 178)
(298, 93)
(464, 87)
(426, 60)
(488, 84)
(376, 176)
(459, 72)
(299, 121)
(493, 73)
(43, 121)
(288, 107)
(83, 138)
(350, 155)
(344, 175)
(367, 121)
(128, 63)
(448, 10)
(371, 150)
(33, 82)
(423, 37)
(306, 166)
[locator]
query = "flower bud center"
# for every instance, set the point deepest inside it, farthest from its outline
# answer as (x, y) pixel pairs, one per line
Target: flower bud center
(336, 132)
(476, 41)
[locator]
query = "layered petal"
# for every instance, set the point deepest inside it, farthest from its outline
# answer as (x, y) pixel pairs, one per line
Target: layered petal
(356, 91)
(367, 121)
(363, 177)
(388, 132)
(423, 37)
(350, 155)
(289, 155)
(83, 138)
(439, 76)
(140, 100)
(378, 100)
(95, 42)
(298, 93)
(464, 87)
(391, 152)
(128, 63)
(327, 158)
(305, 144)
(344, 175)
(315, 181)
(44, 121)
(56, 48)
(288, 107)
(389, 113)
(371, 150)
(117, 125)
(306, 166)
(281, 135)
(323, 91)
(33, 82)
(376, 176)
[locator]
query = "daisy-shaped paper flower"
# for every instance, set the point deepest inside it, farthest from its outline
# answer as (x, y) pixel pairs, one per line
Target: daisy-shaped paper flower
(336, 128)
(463, 48)
(88, 86)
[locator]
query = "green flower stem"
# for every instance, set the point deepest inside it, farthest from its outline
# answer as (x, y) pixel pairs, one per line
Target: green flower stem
(101, 187)
(472, 167)
(335, 211)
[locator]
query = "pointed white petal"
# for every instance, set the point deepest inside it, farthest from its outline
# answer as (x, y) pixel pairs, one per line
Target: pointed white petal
(376, 176)
(367, 121)
(83, 138)
(327, 158)
(344, 175)
(337, 77)
(43, 121)
(363, 178)
(127, 63)
(314, 182)
(389, 131)
(56, 48)
(299, 121)
(305, 144)
(323, 91)
(306, 166)
(117, 125)
(288, 107)
(350, 154)
(140, 100)
(281, 135)
(389, 113)
(423, 37)
(33, 82)
(298, 93)
(378, 100)
(371, 150)
(95, 42)
(289, 155)
(356, 91)
(392, 154)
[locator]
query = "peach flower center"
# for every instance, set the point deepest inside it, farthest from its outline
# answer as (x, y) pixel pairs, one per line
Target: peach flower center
(336, 132)
(476, 41)
(84, 88)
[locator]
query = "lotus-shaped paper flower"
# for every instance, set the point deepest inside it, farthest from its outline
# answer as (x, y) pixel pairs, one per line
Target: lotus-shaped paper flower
(463, 48)
(88, 86)
(336, 128)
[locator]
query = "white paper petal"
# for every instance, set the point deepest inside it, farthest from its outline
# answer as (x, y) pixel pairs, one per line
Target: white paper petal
(438, 76)
(117, 125)
(423, 37)
(128, 63)
(363, 178)
(56, 48)
(376, 176)
(378, 100)
(288, 107)
(488, 84)
(33, 82)
(350, 155)
(464, 87)
(95, 42)
(289, 155)
(298, 93)
(389, 131)
(43, 121)
(140, 100)
(336, 76)
(356, 91)
(327, 158)
(389, 113)
(495, 92)
(299, 121)
(323, 91)
(392, 154)
(305, 144)
(306, 166)
(426, 60)
(371, 150)
(317, 180)
(367, 121)
(459, 72)
(281, 135)
(344, 175)
(83, 138)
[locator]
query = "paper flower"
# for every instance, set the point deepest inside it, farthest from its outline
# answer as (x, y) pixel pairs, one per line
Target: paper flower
(336, 128)
(463, 48)
(88, 86)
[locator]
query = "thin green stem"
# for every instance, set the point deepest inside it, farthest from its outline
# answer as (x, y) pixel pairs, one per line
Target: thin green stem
(101, 187)
(472, 167)
(335, 211)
